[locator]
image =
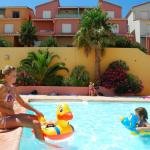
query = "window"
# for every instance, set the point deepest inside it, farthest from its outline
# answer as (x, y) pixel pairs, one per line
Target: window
(47, 14)
(115, 28)
(2, 13)
(1, 16)
(111, 14)
(16, 14)
(66, 28)
(144, 15)
(9, 28)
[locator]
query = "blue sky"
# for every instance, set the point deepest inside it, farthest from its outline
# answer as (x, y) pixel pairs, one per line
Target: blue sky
(126, 4)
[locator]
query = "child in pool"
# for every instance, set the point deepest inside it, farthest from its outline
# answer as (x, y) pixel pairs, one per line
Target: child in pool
(143, 116)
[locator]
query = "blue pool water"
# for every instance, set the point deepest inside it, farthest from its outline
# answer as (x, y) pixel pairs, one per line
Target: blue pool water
(97, 127)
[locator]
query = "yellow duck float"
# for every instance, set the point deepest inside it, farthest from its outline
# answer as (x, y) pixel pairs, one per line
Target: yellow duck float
(61, 129)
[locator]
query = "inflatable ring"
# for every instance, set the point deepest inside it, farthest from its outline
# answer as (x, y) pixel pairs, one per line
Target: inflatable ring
(131, 123)
(60, 129)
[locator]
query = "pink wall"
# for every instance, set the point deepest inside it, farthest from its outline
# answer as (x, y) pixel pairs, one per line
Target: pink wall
(57, 27)
(43, 25)
(74, 23)
(53, 89)
(112, 7)
(123, 25)
(148, 44)
(52, 6)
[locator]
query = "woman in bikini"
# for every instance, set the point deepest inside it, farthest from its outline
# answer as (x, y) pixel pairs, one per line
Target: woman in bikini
(8, 94)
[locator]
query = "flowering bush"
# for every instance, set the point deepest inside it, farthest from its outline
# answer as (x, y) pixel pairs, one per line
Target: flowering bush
(119, 63)
(130, 85)
(116, 77)
(24, 79)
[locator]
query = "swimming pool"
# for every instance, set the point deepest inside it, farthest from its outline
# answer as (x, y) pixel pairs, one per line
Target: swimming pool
(97, 127)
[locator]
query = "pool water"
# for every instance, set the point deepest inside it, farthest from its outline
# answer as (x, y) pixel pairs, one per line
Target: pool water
(97, 127)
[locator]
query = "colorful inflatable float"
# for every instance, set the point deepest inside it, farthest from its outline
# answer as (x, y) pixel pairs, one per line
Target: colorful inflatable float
(59, 129)
(131, 124)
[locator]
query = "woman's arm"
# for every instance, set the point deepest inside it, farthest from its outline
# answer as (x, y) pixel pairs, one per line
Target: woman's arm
(6, 111)
(27, 106)
(146, 127)
(143, 128)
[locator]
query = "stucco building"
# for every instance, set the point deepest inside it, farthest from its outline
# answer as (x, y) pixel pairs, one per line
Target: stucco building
(11, 19)
(52, 19)
(139, 23)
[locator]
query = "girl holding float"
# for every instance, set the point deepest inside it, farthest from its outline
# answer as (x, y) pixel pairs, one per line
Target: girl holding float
(8, 94)
(137, 123)
(9, 119)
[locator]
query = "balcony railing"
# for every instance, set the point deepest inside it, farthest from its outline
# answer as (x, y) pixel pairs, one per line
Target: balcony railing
(141, 18)
(45, 32)
(2, 16)
(65, 34)
(68, 16)
(10, 34)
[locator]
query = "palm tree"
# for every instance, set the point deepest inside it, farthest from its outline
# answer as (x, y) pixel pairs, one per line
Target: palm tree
(39, 66)
(28, 34)
(94, 34)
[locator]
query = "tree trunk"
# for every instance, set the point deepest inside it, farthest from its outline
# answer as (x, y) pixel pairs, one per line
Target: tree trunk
(97, 64)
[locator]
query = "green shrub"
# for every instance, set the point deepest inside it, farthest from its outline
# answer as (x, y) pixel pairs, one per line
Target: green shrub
(1, 81)
(117, 77)
(28, 34)
(119, 63)
(79, 77)
(124, 42)
(39, 66)
(50, 42)
(55, 81)
(4, 43)
(131, 85)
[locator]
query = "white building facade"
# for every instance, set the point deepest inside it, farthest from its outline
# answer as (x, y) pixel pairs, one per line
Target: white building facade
(139, 23)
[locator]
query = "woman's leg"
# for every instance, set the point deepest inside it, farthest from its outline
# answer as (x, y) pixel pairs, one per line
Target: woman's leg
(24, 120)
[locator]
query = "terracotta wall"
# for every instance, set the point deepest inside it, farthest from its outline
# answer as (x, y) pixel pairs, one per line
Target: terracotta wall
(53, 7)
(42, 90)
(112, 7)
(123, 25)
(24, 12)
(16, 22)
(74, 24)
(44, 25)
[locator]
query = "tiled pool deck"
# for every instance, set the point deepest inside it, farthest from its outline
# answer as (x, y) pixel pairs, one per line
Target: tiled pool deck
(9, 140)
